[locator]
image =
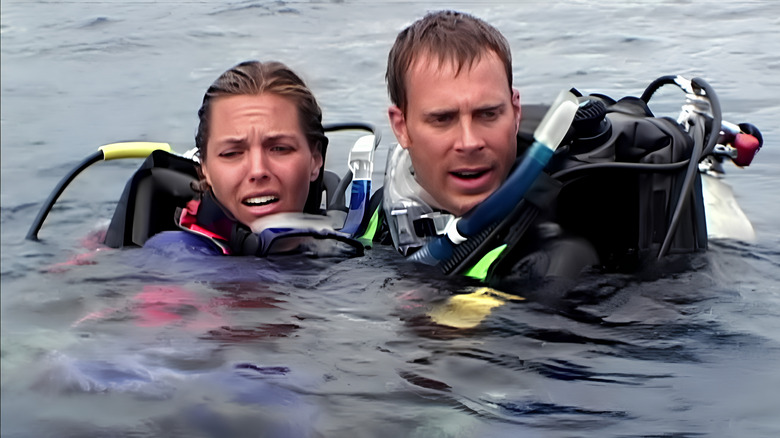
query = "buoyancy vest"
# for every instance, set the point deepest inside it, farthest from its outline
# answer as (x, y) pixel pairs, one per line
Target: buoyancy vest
(207, 218)
(188, 221)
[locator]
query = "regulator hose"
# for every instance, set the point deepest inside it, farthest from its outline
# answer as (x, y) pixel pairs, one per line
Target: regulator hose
(703, 145)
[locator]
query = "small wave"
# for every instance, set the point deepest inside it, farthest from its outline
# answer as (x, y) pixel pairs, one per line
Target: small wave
(97, 22)
(278, 7)
(539, 408)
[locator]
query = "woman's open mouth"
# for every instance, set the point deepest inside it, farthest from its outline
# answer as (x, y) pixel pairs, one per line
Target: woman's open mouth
(259, 201)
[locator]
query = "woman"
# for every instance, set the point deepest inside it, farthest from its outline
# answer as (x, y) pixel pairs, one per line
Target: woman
(261, 147)
(260, 141)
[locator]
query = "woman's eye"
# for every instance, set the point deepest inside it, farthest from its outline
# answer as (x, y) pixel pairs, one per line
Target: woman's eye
(281, 148)
(229, 154)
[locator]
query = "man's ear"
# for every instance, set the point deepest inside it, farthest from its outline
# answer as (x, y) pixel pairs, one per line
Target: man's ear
(516, 108)
(398, 124)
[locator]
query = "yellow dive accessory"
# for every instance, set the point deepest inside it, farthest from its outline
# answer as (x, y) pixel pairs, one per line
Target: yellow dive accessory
(468, 310)
(131, 149)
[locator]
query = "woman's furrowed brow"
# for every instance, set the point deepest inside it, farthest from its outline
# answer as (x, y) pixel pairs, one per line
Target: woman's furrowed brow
(231, 139)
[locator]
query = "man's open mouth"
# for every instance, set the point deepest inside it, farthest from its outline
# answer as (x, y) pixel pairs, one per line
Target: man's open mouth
(259, 201)
(469, 174)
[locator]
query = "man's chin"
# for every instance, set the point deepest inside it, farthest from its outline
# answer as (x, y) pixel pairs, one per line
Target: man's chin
(462, 206)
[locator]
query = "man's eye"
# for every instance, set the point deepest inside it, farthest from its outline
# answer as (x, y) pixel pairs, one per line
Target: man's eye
(441, 119)
(489, 115)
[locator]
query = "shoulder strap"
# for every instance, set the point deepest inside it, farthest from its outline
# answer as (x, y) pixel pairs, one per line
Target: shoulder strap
(374, 227)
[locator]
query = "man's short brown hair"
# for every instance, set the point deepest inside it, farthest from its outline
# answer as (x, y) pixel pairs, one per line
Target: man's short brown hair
(449, 36)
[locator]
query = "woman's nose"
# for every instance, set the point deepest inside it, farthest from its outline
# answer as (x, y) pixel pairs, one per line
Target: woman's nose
(258, 165)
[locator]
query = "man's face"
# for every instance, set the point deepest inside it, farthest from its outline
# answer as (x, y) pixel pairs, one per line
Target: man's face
(460, 130)
(258, 161)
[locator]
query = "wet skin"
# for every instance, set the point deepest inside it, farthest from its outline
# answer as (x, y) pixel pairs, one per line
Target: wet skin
(258, 161)
(460, 129)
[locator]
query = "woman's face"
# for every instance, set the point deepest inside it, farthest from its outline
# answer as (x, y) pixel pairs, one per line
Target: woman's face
(258, 161)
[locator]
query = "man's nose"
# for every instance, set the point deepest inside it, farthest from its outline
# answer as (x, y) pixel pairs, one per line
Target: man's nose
(470, 138)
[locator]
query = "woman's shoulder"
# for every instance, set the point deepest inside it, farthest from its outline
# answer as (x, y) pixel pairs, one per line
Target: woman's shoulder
(182, 241)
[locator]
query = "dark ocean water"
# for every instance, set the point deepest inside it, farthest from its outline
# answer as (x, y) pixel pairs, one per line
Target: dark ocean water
(128, 343)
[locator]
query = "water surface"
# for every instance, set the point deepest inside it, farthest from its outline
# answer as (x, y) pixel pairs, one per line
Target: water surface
(127, 343)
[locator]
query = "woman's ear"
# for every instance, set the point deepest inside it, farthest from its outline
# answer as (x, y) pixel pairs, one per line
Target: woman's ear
(204, 174)
(201, 185)
(316, 165)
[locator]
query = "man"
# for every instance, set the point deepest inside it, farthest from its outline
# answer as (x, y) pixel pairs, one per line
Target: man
(449, 76)
(621, 192)
(456, 118)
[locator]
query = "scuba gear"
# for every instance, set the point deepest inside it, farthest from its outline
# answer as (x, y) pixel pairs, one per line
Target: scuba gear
(725, 219)
(300, 232)
(468, 310)
(548, 135)
(623, 179)
(272, 234)
(405, 204)
(160, 196)
(361, 164)
(454, 233)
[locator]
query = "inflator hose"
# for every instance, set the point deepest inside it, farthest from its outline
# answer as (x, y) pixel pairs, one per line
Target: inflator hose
(32, 234)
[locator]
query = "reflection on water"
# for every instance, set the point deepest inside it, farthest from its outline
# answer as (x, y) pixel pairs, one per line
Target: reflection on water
(322, 352)
(100, 342)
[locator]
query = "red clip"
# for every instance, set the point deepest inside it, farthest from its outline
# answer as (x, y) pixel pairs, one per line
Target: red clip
(746, 146)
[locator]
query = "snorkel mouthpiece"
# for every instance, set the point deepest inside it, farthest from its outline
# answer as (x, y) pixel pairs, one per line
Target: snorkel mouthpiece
(361, 158)
(547, 137)
(361, 163)
(555, 124)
